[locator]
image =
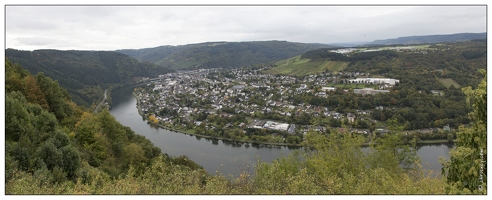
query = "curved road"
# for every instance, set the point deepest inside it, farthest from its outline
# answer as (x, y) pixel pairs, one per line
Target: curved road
(100, 103)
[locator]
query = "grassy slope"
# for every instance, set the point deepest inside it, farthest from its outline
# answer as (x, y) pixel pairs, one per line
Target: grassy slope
(298, 67)
(447, 82)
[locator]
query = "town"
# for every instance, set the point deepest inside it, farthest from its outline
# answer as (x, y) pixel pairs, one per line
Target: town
(247, 105)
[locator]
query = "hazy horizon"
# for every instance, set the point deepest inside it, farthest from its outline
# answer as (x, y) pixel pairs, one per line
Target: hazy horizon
(134, 27)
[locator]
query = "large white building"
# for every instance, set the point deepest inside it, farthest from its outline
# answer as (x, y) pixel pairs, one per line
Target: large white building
(328, 89)
(379, 81)
(276, 125)
(370, 91)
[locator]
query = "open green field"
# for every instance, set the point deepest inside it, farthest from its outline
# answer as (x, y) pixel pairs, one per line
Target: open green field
(447, 82)
(299, 67)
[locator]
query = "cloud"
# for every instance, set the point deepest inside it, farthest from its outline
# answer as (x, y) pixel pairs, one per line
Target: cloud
(123, 27)
(37, 41)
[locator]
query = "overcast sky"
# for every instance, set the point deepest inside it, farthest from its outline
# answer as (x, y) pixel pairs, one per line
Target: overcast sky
(134, 27)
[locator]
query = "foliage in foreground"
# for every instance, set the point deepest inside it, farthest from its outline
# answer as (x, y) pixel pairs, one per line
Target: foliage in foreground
(53, 147)
(467, 168)
(338, 166)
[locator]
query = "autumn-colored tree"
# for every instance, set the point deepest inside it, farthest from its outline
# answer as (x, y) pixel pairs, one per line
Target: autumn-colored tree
(153, 119)
(13, 76)
(34, 93)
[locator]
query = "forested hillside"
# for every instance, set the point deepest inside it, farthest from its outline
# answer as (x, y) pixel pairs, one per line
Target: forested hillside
(220, 54)
(85, 74)
(53, 146)
(417, 68)
(460, 61)
(51, 143)
(422, 71)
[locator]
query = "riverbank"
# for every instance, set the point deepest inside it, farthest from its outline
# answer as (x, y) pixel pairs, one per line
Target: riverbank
(138, 105)
(440, 141)
(423, 142)
(102, 101)
(230, 140)
(210, 137)
(107, 94)
(224, 156)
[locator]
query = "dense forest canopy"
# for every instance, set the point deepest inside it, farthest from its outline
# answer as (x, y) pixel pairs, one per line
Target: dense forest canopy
(85, 74)
(55, 142)
(220, 54)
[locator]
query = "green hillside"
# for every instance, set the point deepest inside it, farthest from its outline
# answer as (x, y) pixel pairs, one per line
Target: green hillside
(51, 144)
(299, 67)
(447, 82)
(85, 74)
(425, 67)
(220, 54)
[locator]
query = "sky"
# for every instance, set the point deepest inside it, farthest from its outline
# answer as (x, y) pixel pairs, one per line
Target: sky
(113, 27)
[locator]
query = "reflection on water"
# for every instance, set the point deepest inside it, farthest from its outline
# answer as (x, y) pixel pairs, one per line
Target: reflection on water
(429, 155)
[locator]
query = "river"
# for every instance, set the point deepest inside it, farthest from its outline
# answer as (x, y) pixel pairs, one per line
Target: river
(222, 156)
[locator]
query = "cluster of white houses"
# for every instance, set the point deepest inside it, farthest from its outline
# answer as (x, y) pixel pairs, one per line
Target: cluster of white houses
(248, 92)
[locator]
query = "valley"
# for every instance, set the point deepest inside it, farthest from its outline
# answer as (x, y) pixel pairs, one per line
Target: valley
(245, 99)
(386, 108)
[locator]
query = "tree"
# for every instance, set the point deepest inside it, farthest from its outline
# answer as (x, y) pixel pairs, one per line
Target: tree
(17, 119)
(71, 160)
(393, 124)
(362, 124)
(134, 153)
(335, 122)
(50, 155)
(392, 151)
(450, 137)
(153, 119)
(56, 96)
(34, 93)
(84, 132)
(199, 131)
(467, 168)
